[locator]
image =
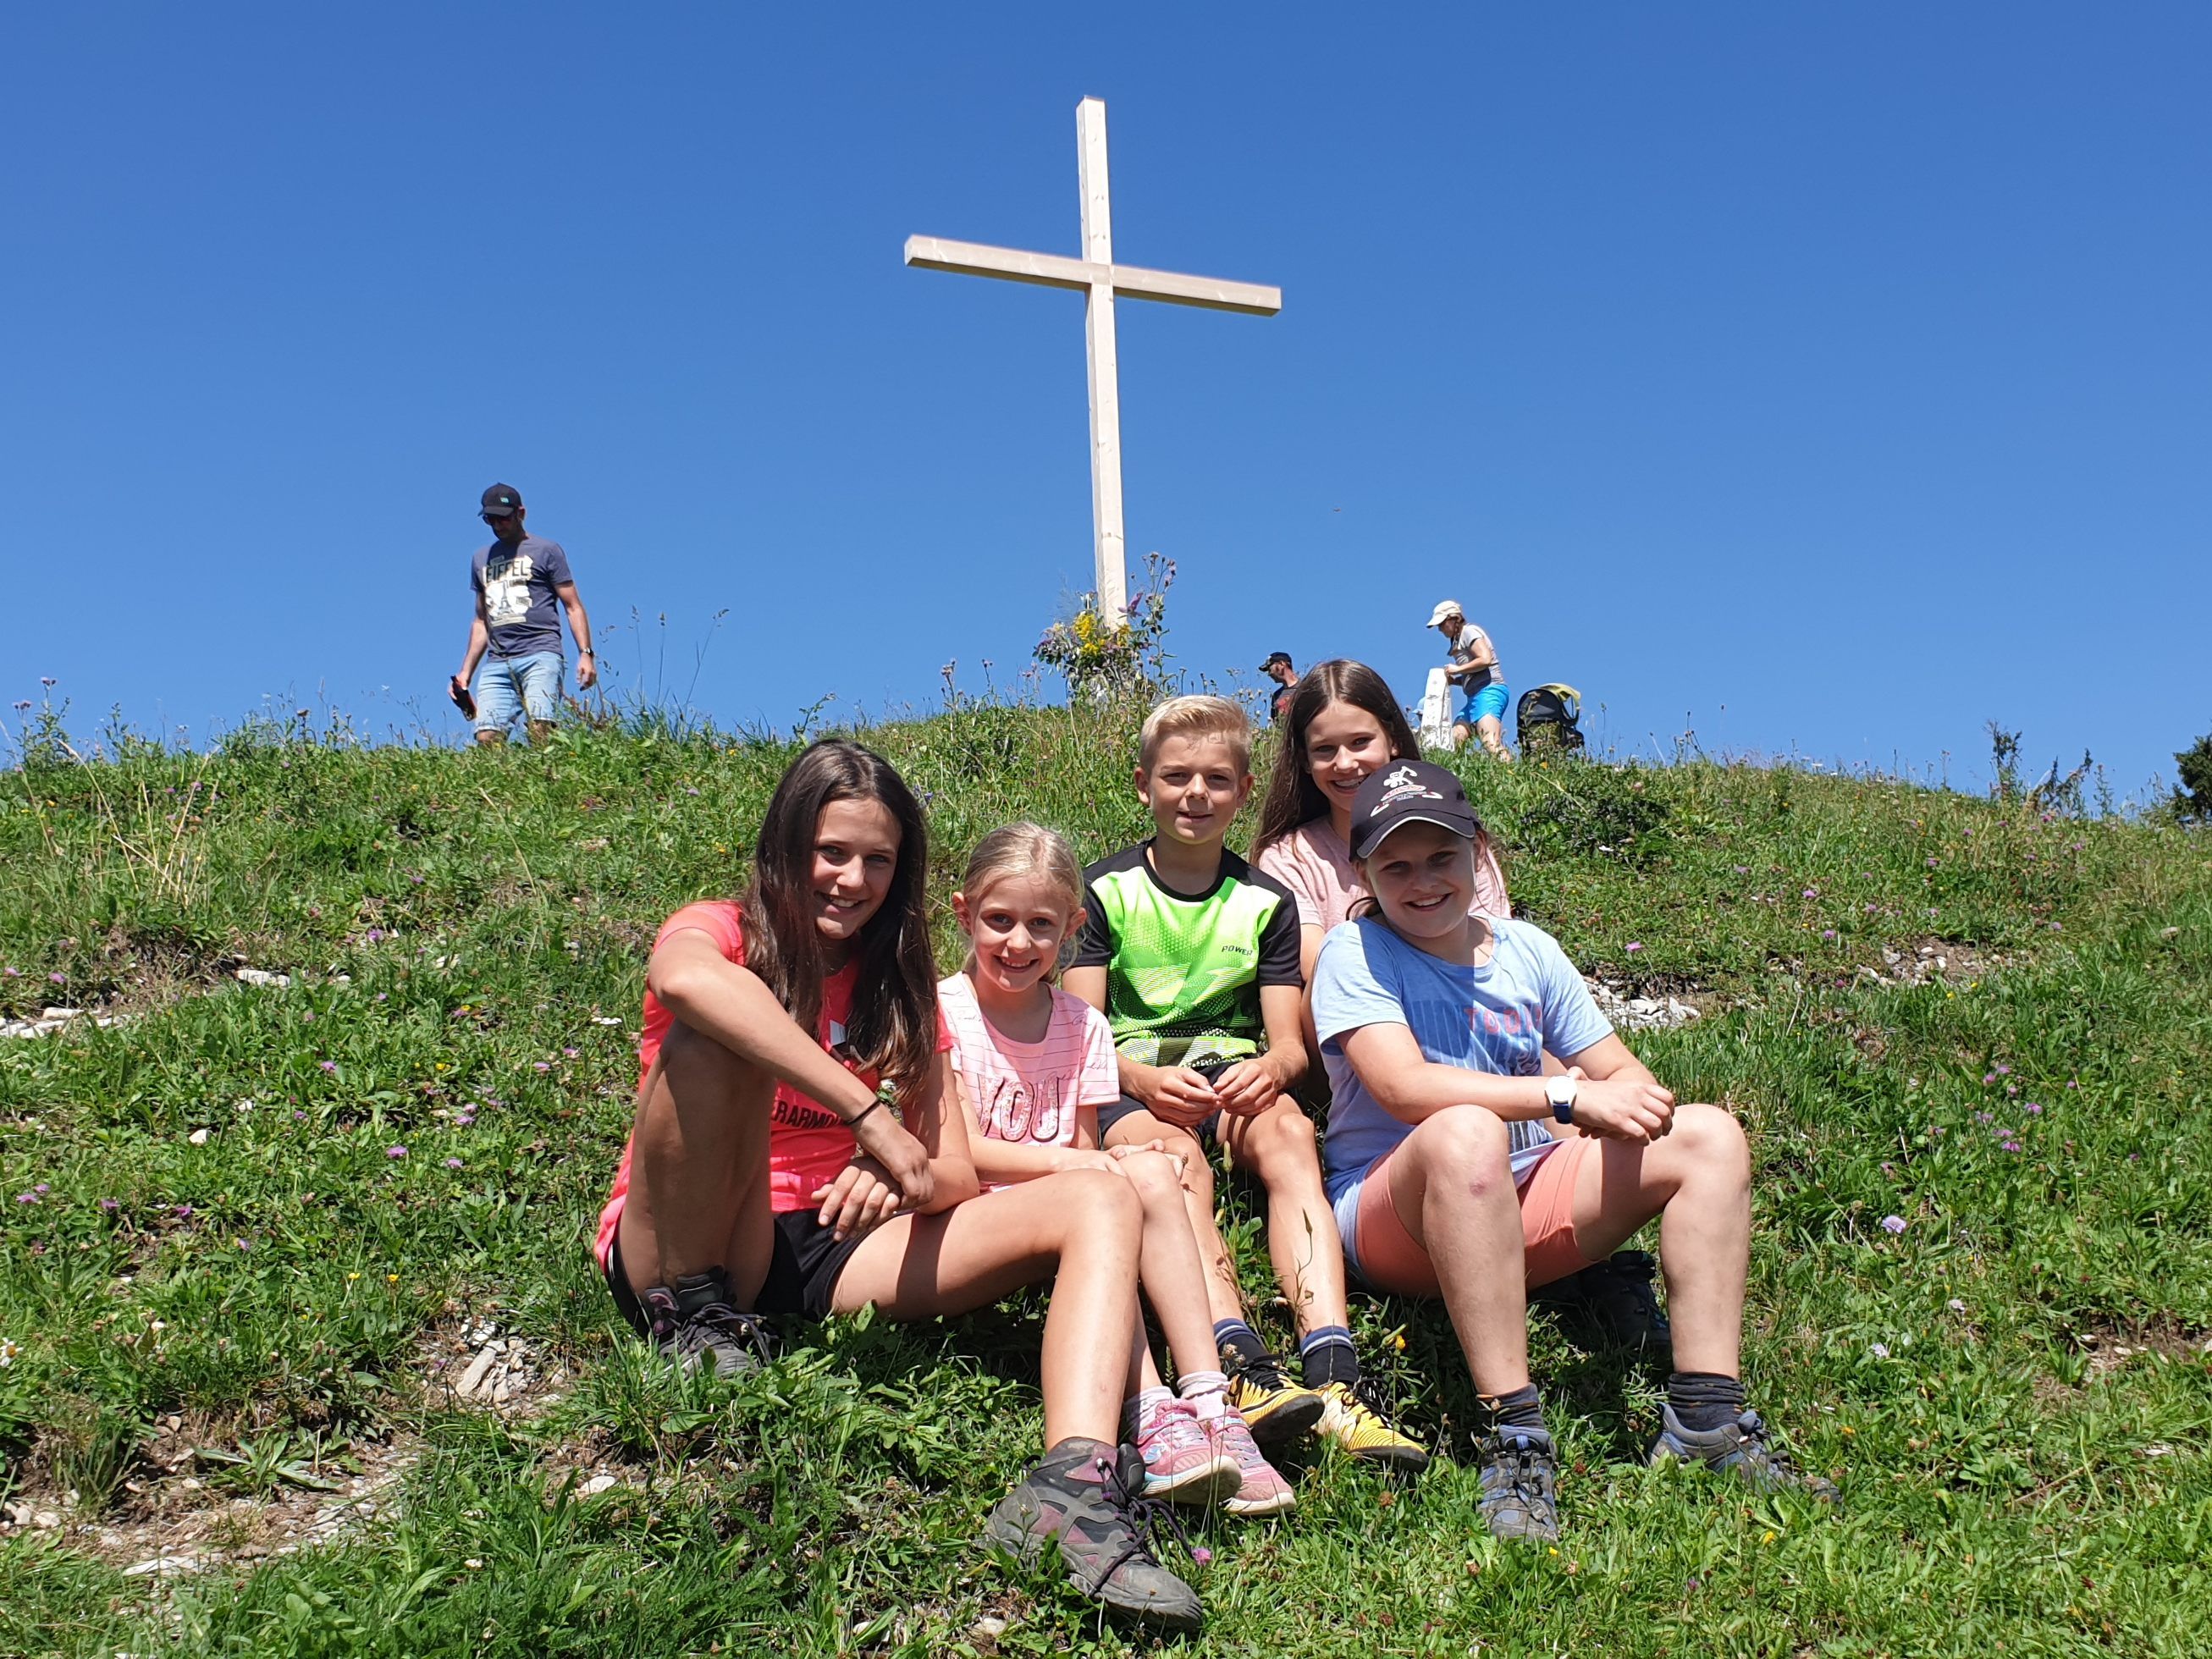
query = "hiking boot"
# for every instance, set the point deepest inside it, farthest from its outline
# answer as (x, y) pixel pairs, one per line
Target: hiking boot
(1260, 1489)
(1082, 1497)
(1741, 1446)
(694, 1324)
(1520, 1472)
(1273, 1406)
(1612, 1302)
(1183, 1461)
(1352, 1419)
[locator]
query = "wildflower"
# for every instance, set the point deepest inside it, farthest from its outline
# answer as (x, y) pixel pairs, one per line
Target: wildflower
(13, 973)
(308, 1018)
(571, 1053)
(452, 1163)
(330, 1066)
(2010, 1146)
(1635, 946)
(58, 979)
(1880, 1351)
(1811, 892)
(472, 1564)
(2135, 1157)
(42, 1190)
(1956, 1305)
(26, 1197)
(1931, 864)
(1827, 933)
(2003, 1069)
(462, 1120)
(541, 1064)
(1743, 869)
(392, 1278)
(395, 1152)
(109, 1203)
(184, 1212)
(381, 995)
(1983, 1117)
(1893, 1225)
(2035, 1107)
(7, 1351)
(351, 1277)
(1201, 1554)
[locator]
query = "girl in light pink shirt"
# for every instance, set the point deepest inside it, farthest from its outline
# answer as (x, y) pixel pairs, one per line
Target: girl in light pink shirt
(1342, 725)
(1035, 1065)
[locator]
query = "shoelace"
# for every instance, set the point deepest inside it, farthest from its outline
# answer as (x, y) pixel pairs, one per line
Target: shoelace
(718, 1319)
(1752, 1427)
(1141, 1515)
(1265, 1372)
(1362, 1394)
(1526, 1472)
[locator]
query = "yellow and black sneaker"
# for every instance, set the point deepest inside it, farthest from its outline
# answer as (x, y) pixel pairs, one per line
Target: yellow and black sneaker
(1352, 1422)
(1273, 1406)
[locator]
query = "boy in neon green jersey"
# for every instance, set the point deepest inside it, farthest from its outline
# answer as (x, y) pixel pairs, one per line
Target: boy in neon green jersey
(1193, 957)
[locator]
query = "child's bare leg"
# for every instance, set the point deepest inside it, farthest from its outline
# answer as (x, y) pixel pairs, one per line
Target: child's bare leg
(699, 1168)
(1279, 1146)
(1081, 1228)
(1451, 1183)
(1223, 1300)
(1170, 1271)
(1697, 1179)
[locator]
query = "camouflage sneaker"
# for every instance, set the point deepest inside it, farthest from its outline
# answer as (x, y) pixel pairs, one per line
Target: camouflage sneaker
(1520, 1472)
(1612, 1302)
(1273, 1407)
(694, 1324)
(1084, 1496)
(1741, 1446)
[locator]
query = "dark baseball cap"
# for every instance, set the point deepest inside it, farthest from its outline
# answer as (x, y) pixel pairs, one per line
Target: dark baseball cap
(1274, 657)
(1409, 792)
(500, 500)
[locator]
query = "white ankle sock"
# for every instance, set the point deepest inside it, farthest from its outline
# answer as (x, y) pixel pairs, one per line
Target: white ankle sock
(1207, 1392)
(1136, 1414)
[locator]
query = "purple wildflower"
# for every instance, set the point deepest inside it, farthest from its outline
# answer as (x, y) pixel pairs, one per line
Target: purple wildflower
(2035, 1106)
(184, 1212)
(26, 1197)
(1811, 892)
(58, 979)
(2003, 1069)
(452, 1163)
(109, 1203)
(571, 1053)
(395, 1152)
(1982, 1117)
(462, 1120)
(1827, 933)
(1635, 946)
(542, 1065)
(1893, 1224)
(1880, 1351)
(330, 1066)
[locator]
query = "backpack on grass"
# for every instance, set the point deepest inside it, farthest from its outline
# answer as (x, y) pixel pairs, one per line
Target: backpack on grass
(1547, 718)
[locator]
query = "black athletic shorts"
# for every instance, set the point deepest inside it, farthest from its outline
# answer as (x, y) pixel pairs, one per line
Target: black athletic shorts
(802, 1272)
(1109, 1115)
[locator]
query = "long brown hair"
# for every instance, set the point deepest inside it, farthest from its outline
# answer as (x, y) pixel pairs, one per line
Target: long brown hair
(893, 1026)
(1293, 798)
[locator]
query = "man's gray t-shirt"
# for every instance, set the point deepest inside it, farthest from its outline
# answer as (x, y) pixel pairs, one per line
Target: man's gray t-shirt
(517, 585)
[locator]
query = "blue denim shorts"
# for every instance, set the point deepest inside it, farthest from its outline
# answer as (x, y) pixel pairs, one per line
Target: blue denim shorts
(507, 686)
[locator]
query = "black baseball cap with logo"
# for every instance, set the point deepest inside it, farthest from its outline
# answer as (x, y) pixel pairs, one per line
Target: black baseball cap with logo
(500, 500)
(1409, 792)
(1274, 657)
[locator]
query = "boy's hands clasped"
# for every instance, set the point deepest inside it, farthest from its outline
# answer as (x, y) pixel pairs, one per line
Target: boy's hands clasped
(1183, 1096)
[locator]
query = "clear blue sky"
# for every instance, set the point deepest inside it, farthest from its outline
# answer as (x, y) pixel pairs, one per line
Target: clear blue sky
(1826, 379)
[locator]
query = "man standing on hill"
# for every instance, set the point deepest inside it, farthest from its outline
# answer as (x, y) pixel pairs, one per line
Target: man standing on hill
(516, 580)
(1278, 668)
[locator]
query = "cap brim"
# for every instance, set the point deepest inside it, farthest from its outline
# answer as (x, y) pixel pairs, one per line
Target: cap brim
(1465, 832)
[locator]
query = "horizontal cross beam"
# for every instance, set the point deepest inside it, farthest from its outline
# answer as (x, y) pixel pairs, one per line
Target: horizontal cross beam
(1052, 271)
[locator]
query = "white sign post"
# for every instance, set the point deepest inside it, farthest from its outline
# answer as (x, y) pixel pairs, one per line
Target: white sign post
(1436, 712)
(1100, 279)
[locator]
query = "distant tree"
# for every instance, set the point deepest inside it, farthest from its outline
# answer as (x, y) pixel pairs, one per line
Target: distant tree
(2194, 798)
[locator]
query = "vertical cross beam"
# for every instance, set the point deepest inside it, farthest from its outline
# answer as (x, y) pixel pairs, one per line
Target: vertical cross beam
(1108, 546)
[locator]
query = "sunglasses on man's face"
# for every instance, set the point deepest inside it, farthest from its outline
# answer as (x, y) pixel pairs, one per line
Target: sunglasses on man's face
(496, 519)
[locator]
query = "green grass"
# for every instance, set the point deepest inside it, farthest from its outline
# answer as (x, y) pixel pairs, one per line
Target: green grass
(2013, 1483)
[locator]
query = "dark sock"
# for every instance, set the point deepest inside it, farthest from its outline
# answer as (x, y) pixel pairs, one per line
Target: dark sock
(1519, 1409)
(1234, 1336)
(1326, 1356)
(1704, 1400)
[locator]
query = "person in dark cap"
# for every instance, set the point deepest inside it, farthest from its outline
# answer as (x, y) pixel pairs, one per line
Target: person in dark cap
(516, 580)
(1278, 669)
(1448, 1179)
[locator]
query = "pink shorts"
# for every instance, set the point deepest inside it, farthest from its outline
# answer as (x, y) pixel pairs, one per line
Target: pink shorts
(1390, 1259)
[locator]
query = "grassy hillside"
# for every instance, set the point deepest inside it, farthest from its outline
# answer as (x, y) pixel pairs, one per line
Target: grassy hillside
(261, 1228)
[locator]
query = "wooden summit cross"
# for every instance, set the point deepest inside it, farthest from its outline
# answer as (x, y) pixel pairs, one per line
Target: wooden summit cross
(1100, 279)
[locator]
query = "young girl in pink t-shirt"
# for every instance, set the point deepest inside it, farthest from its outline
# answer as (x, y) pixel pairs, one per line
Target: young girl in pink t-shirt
(1035, 1065)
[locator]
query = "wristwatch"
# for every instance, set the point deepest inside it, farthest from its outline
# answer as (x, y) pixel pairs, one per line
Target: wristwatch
(1561, 1092)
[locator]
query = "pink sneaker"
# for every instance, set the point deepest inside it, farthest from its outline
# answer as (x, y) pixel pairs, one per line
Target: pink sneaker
(1183, 1461)
(1260, 1490)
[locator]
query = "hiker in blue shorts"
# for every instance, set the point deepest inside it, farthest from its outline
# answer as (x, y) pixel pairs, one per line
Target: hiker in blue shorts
(1474, 669)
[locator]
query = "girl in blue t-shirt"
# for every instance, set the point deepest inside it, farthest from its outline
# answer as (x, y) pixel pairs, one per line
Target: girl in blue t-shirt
(1432, 1024)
